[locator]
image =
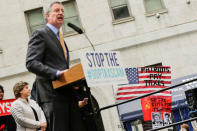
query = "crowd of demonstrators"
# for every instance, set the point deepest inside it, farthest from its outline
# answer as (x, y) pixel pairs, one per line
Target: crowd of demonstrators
(7, 123)
(26, 112)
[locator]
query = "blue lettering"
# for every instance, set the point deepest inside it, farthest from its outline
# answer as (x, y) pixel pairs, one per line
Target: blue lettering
(98, 60)
(101, 58)
(106, 54)
(92, 54)
(115, 59)
(90, 63)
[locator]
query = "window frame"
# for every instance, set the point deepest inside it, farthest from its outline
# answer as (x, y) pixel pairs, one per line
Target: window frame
(122, 20)
(161, 11)
(27, 20)
(71, 33)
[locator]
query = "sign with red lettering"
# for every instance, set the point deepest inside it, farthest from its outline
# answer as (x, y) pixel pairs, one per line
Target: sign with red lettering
(5, 107)
(157, 109)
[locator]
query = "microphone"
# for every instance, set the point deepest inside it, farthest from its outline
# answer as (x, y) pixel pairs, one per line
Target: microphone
(77, 29)
(74, 27)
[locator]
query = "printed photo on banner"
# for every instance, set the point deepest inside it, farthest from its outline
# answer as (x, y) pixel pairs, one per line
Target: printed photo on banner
(156, 119)
(167, 118)
(103, 68)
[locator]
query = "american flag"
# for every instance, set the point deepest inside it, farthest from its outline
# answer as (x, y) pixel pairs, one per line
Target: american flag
(144, 80)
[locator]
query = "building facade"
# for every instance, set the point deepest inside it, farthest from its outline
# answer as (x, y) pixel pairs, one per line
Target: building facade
(146, 32)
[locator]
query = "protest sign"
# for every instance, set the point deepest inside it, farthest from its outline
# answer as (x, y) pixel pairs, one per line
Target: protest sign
(103, 68)
(158, 109)
(5, 107)
(143, 80)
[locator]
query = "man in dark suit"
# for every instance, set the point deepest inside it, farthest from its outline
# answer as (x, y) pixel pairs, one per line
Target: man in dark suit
(48, 58)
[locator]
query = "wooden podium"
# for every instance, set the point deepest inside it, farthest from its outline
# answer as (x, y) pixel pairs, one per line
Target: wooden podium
(74, 74)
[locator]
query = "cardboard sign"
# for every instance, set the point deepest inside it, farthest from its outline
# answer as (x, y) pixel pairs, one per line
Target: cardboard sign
(143, 80)
(103, 68)
(5, 107)
(157, 109)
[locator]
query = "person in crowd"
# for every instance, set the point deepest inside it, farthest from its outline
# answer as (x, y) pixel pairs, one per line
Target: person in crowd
(1, 92)
(7, 123)
(184, 127)
(86, 110)
(48, 58)
(26, 112)
(194, 125)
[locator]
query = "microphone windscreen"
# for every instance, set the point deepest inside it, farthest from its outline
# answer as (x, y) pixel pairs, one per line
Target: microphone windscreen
(74, 27)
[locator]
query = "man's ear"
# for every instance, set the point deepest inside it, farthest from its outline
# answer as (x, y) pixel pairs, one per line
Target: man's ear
(47, 15)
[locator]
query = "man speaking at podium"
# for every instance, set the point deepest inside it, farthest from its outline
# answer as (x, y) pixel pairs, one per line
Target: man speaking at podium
(48, 58)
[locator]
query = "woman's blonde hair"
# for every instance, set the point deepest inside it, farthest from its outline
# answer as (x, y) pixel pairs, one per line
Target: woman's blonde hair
(185, 126)
(18, 87)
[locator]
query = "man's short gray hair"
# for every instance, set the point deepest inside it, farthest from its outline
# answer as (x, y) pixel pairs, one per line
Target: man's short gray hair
(48, 9)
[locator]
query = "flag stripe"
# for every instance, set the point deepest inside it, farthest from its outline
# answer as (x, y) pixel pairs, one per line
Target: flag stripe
(156, 81)
(154, 72)
(163, 77)
(140, 92)
(140, 87)
(137, 89)
(126, 97)
(136, 95)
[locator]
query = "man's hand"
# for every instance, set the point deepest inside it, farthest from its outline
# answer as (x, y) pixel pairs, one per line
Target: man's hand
(43, 126)
(62, 72)
(83, 103)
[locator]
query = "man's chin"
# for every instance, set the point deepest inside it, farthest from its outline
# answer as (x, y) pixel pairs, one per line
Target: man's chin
(60, 24)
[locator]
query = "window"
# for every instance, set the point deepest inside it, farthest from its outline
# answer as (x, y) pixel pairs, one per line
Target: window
(35, 19)
(119, 9)
(70, 15)
(154, 6)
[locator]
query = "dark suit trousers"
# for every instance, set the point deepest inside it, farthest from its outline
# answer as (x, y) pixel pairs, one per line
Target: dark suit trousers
(63, 115)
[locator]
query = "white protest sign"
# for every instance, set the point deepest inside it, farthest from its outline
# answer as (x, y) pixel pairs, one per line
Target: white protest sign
(103, 68)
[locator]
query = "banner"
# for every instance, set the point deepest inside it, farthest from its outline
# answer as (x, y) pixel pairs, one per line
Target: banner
(143, 80)
(5, 107)
(157, 109)
(103, 68)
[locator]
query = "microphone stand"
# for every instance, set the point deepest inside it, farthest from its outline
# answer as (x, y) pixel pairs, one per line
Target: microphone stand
(79, 30)
(89, 41)
(94, 111)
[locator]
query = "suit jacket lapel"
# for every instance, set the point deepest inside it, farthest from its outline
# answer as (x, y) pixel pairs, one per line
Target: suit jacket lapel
(54, 37)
